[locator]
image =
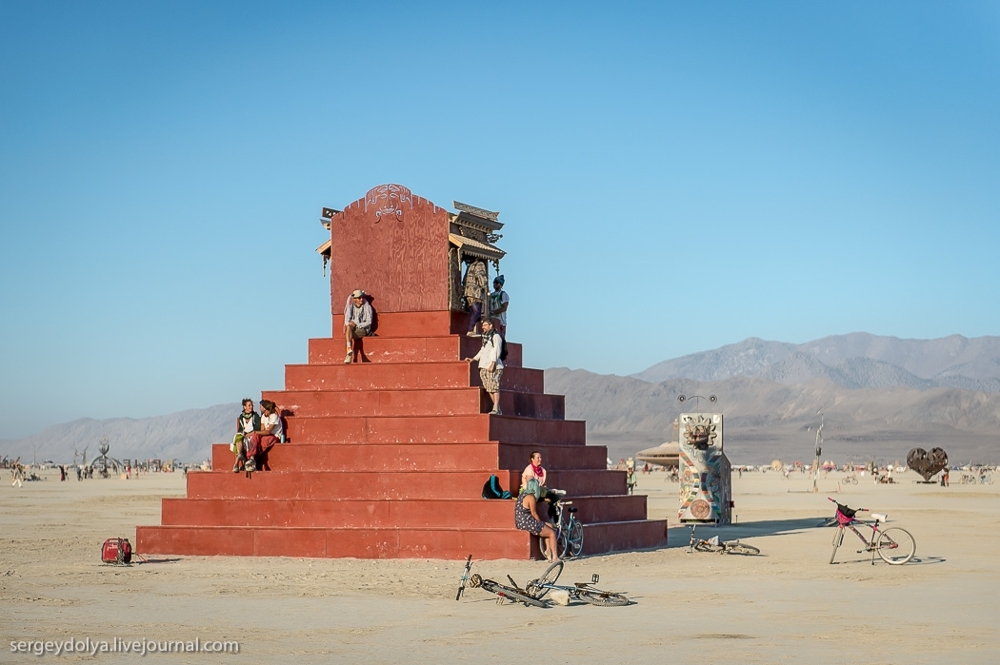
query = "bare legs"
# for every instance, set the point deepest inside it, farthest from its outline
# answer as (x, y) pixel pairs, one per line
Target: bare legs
(551, 544)
(349, 328)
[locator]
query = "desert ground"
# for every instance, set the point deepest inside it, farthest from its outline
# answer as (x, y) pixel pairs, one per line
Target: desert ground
(788, 605)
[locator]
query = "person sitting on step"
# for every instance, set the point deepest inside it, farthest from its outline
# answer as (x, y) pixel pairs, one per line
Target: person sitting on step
(247, 422)
(536, 471)
(526, 517)
(357, 321)
(271, 432)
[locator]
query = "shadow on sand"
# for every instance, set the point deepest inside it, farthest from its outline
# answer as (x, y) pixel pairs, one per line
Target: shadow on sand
(679, 536)
(866, 559)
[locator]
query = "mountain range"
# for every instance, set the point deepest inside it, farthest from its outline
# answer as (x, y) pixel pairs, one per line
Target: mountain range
(185, 435)
(857, 360)
(876, 398)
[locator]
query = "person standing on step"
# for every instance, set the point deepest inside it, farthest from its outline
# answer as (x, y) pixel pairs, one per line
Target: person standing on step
(498, 306)
(357, 321)
(490, 365)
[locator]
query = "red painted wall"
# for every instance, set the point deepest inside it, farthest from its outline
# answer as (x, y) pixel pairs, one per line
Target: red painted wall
(394, 245)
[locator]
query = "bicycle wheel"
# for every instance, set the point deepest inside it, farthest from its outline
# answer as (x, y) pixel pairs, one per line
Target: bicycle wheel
(741, 548)
(536, 589)
(838, 538)
(574, 539)
(702, 546)
(603, 598)
(896, 546)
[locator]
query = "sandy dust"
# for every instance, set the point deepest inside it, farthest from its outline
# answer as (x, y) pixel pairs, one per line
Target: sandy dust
(788, 605)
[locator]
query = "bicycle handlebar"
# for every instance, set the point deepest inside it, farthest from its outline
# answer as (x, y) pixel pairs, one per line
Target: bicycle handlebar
(857, 510)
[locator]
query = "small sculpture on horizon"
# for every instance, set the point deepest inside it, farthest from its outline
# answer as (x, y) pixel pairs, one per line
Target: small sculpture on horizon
(927, 463)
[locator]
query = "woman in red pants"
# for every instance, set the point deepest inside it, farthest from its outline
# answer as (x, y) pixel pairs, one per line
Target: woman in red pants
(270, 433)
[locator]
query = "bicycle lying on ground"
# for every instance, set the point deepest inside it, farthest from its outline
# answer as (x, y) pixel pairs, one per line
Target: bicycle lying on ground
(585, 591)
(514, 593)
(894, 545)
(713, 544)
(569, 532)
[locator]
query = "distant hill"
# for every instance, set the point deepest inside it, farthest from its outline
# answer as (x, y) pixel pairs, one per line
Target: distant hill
(858, 360)
(880, 396)
(766, 419)
(186, 435)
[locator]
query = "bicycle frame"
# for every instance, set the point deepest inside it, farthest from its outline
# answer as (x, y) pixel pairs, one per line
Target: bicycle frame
(564, 528)
(715, 544)
(869, 544)
(894, 545)
(585, 591)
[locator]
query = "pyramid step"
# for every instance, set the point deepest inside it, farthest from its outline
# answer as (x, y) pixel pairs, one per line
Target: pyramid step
(383, 403)
(411, 324)
(364, 543)
(379, 513)
(404, 376)
(379, 349)
(445, 543)
(428, 429)
(420, 457)
(604, 537)
(386, 485)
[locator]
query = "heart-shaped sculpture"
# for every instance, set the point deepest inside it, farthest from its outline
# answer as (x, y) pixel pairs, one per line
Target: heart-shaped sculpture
(927, 463)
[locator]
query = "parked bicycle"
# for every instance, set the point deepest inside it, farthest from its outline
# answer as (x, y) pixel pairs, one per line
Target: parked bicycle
(569, 532)
(981, 478)
(894, 545)
(585, 591)
(713, 544)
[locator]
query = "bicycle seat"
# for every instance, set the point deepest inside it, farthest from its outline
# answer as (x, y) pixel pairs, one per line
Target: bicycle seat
(572, 510)
(879, 517)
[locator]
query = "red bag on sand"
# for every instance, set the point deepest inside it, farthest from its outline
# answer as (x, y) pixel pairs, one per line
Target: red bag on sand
(117, 551)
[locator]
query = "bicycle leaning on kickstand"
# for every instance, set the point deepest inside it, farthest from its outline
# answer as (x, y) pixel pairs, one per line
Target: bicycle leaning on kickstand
(894, 545)
(569, 532)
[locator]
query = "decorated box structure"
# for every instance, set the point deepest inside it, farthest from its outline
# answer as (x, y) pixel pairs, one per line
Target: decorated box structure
(706, 479)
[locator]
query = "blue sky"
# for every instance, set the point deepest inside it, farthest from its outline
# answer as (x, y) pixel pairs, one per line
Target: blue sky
(673, 176)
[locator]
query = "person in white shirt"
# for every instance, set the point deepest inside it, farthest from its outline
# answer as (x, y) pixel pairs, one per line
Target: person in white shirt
(534, 470)
(490, 365)
(271, 432)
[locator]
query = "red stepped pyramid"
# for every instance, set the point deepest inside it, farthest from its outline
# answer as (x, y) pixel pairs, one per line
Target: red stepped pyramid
(387, 456)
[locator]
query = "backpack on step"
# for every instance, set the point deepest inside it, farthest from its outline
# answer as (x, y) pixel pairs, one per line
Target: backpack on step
(493, 490)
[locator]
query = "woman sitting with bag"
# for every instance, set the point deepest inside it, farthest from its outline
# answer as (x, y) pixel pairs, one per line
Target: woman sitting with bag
(526, 517)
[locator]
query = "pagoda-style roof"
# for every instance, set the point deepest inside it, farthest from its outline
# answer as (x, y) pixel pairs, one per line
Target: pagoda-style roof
(473, 247)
